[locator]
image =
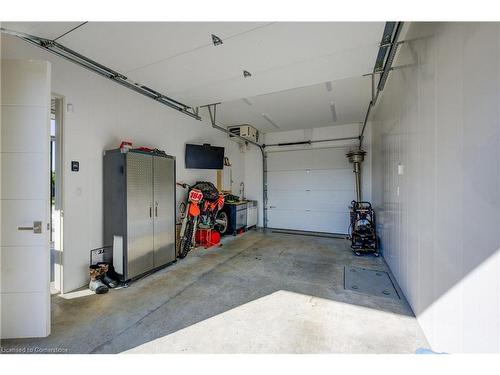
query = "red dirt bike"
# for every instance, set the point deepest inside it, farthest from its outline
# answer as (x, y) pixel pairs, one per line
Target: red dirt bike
(202, 209)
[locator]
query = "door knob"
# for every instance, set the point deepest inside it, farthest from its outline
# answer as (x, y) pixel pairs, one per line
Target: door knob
(36, 228)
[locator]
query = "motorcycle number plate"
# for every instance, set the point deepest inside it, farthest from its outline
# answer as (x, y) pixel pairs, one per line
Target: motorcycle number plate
(195, 196)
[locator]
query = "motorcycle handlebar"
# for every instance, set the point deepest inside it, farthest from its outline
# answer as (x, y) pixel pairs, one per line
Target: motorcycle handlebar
(184, 185)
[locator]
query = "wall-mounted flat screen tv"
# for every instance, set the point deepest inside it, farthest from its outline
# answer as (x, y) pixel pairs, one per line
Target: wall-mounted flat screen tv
(204, 156)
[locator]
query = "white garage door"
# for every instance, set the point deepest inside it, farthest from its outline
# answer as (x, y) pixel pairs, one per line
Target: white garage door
(310, 190)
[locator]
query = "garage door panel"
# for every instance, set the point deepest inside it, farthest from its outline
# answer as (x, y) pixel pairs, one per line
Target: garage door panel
(314, 221)
(330, 179)
(309, 190)
(327, 158)
(315, 200)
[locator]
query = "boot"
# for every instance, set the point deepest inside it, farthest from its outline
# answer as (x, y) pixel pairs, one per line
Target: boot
(96, 285)
(107, 279)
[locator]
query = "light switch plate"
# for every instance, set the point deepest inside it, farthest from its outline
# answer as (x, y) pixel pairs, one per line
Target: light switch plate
(401, 169)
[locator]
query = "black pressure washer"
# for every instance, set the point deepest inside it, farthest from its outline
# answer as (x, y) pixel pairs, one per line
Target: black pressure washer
(362, 230)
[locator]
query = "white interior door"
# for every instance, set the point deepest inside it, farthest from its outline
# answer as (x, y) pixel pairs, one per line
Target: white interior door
(310, 190)
(24, 199)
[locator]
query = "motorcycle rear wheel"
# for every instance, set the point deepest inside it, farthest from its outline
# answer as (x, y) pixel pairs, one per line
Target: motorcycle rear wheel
(221, 222)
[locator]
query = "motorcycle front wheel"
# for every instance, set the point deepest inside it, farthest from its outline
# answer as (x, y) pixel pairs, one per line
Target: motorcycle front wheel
(185, 245)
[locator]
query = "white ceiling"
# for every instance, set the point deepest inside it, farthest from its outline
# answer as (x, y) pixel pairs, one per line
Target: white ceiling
(49, 30)
(289, 62)
(301, 108)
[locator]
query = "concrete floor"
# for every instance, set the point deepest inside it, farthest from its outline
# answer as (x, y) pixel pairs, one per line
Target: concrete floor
(258, 293)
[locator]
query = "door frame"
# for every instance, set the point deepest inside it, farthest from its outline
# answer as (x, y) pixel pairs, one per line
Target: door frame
(59, 187)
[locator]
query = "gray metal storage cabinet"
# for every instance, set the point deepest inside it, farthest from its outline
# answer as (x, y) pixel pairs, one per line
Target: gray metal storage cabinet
(139, 210)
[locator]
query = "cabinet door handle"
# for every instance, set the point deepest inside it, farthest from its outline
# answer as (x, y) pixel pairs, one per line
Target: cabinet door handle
(156, 210)
(150, 211)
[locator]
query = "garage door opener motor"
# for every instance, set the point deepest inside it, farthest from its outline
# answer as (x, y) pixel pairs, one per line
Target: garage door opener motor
(362, 228)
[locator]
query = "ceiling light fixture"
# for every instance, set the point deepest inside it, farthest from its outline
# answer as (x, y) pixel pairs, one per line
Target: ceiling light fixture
(268, 119)
(248, 101)
(246, 74)
(328, 86)
(334, 112)
(216, 40)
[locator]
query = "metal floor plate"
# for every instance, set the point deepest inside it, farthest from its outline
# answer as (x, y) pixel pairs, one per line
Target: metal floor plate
(372, 282)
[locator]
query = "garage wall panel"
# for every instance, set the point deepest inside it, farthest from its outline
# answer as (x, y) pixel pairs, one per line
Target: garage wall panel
(439, 221)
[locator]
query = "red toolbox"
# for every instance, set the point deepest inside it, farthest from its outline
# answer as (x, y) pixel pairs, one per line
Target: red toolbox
(207, 237)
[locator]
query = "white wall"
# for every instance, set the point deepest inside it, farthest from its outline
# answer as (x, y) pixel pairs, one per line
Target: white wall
(254, 179)
(439, 221)
(105, 113)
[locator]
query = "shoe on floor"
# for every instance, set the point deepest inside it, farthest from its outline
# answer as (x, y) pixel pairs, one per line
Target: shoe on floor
(98, 287)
